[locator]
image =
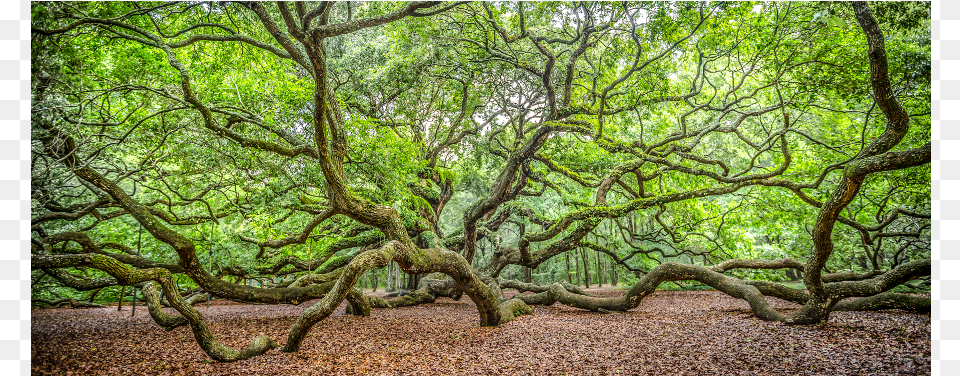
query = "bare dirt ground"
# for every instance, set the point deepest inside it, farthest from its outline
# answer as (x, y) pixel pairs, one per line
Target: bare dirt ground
(671, 333)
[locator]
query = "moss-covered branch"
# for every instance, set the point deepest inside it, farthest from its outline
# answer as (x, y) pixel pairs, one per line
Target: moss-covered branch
(127, 276)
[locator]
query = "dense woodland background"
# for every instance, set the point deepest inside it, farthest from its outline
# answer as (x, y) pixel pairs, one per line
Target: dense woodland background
(279, 153)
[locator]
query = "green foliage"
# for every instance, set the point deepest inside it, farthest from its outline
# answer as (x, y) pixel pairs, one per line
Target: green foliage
(451, 99)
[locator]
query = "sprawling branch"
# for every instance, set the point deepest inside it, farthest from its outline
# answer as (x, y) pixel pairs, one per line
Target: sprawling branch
(128, 276)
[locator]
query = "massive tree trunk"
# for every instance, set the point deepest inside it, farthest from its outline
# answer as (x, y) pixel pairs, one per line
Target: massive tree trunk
(413, 261)
(875, 157)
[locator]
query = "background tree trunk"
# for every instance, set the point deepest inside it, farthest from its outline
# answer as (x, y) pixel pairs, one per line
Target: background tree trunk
(613, 273)
(576, 266)
(599, 271)
(397, 275)
(123, 290)
(133, 312)
(391, 284)
(586, 268)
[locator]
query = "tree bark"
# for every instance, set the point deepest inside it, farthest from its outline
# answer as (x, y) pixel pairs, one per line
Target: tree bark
(887, 300)
(154, 306)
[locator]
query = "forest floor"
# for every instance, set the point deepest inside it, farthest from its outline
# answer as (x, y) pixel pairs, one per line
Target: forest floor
(670, 333)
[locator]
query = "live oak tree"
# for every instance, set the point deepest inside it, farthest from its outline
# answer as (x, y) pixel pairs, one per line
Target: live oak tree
(301, 145)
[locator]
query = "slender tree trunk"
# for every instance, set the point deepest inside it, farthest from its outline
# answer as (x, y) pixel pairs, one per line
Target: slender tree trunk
(613, 273)
(576, 266)
(599, 271)
(390, 282)
(569, 278)
(139, 242)
(481, 248)
(874, 256)
(586, 268)
(133, 312)
(123, 290)
(396, 275)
